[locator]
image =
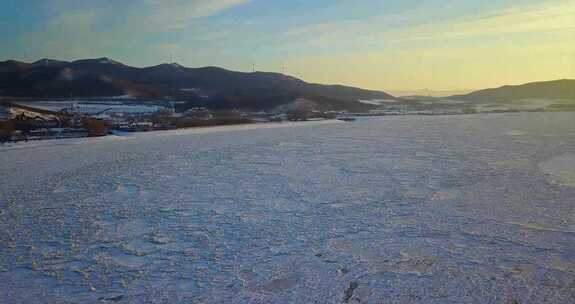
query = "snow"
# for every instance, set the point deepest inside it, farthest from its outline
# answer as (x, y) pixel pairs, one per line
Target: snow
(394, 210)
(108, 61)
(79, 106)
(561, 168)
(377, 102)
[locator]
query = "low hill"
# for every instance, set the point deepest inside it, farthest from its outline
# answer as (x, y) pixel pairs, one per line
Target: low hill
(547, 90)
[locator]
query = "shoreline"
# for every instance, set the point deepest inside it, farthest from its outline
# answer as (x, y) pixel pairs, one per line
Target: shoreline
(121, 136)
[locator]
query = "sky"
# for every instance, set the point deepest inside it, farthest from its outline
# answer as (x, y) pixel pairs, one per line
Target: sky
(393, 45)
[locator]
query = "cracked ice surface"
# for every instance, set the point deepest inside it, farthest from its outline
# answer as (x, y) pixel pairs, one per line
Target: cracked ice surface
(458, 209)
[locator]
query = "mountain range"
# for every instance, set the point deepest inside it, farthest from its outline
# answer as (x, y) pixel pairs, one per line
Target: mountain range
(219, 88)
(208, 86)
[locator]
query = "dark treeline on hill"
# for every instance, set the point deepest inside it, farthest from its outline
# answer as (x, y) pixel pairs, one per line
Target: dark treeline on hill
(557, 89)
(208, 86)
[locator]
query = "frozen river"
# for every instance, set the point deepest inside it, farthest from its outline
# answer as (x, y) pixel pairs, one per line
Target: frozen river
(455, 209)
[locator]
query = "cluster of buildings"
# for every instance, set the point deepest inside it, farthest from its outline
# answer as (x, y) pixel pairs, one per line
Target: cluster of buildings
(120, 116)
(59, 119)
(46, 120)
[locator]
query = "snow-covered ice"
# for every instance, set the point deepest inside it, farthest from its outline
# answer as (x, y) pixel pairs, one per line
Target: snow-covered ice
(454, 209)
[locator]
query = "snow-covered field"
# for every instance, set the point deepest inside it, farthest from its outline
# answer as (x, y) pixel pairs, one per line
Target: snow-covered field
(87, 107)
(456, 209)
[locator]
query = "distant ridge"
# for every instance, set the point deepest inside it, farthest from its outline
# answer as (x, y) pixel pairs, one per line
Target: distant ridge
(428, 93)
(208, 86)
(556, 89)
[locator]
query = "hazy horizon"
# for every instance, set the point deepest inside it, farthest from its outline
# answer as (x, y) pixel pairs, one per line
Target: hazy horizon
(392, 45)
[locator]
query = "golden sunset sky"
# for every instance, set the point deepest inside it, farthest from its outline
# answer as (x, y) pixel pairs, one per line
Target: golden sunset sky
(386, 45)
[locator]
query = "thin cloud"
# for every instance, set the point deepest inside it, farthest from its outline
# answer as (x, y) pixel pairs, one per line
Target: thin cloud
(547, 17)
(113, 25)
(178, 14)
